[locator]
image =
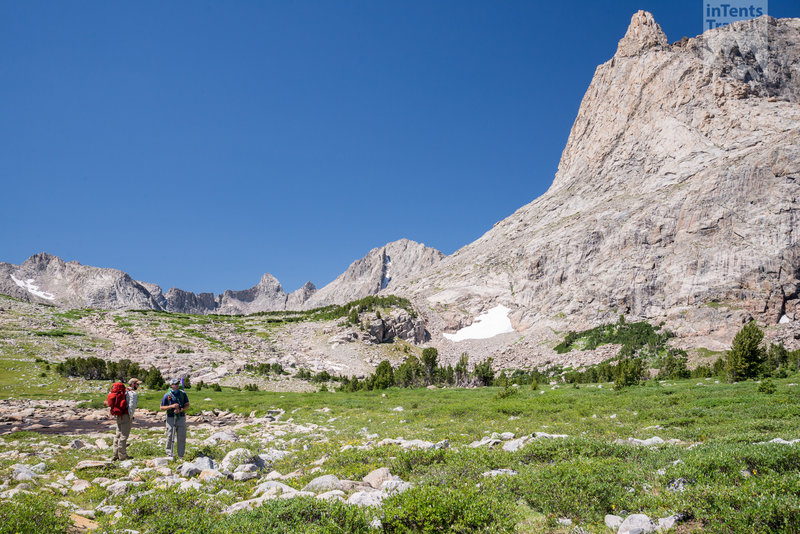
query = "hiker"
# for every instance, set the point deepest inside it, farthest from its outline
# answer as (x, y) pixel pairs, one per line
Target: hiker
(175, 402)
(132, 396)
(118, 403)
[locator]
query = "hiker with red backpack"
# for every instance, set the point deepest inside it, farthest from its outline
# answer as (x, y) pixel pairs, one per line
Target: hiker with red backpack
(123, 404)
(175, 402)
(118, 403)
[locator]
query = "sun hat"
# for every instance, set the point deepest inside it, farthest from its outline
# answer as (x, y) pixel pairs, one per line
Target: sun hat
(174, 381)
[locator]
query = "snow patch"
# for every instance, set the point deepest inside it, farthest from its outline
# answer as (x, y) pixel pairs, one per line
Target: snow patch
(387, 277)
(492, 323)
(32, 289)
(785, 320)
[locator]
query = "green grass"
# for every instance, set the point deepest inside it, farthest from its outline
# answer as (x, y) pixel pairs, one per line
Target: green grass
(582, 477)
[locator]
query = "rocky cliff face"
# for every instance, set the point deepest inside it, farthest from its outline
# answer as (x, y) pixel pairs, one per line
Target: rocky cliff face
(378, 271)
(676, 198)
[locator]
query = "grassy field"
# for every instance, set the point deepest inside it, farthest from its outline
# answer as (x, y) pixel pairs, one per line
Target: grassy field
(730, 481)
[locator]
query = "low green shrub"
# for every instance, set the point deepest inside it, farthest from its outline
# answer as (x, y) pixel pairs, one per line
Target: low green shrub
(31, 514)
(584, 489)
(767, 386)
(447, 509)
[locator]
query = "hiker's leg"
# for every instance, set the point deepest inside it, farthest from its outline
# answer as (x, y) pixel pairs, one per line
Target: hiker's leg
(117, 435)
(123, 430)
(170, 434)
(181, 428)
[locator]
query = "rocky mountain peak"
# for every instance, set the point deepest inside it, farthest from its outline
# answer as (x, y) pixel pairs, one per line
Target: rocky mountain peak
(378, 271)
(269, 282)
(643, 33)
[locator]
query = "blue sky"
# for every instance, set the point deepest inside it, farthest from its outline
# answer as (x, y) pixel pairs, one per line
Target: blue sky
(200, 144)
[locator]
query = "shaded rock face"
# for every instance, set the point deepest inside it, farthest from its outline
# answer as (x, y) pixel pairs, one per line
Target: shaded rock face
(378, 271)
(180, 301)
(679, 186)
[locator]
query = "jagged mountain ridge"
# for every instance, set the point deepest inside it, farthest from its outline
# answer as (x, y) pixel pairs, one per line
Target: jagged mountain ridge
(676, 198)
(49, 279)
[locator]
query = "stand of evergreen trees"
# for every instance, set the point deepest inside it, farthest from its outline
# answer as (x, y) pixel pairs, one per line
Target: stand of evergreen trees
(94, 368)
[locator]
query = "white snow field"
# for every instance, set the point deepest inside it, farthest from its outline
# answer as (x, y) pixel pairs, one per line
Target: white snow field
(32, 289)
(492, 323)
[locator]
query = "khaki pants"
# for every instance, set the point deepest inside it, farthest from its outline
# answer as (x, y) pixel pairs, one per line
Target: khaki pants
(176, 428)
(121, 437)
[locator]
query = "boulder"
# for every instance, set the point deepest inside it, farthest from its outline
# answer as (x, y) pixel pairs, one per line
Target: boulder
(189, 470)
(204, 462)
(237, 457)
(210, 475)
(366, 498)
(121, 487)
(79, 486)
(377, 477)
(246, 468)
(333, 494)
(89, 464)
(637, 524)
(613, 521)
(273, 486)
(323, 484)
(390, 487)
(241, 476)
(224, 436)
(189, 485)
(515, 444)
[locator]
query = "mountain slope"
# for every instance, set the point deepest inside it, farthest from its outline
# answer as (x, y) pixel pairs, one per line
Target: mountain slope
(678, 188)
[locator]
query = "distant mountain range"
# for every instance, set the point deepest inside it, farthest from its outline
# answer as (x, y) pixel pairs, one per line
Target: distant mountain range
(49, 279)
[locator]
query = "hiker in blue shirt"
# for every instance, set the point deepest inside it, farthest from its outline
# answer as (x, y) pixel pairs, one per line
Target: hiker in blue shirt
(175, 402)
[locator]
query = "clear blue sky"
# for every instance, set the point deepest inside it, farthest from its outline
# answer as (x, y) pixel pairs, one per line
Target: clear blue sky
(200, 144)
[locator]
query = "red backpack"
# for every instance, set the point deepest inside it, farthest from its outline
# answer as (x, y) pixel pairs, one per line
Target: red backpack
(116, 400)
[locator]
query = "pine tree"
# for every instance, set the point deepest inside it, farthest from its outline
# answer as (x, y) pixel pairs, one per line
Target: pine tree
(746, 355)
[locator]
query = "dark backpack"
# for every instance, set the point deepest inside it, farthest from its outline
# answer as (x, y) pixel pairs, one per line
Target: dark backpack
(117, 401)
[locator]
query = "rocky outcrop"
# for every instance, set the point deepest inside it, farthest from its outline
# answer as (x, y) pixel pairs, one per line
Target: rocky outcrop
(678, 191)
(399, 324)
(379, 270)
(180, 301)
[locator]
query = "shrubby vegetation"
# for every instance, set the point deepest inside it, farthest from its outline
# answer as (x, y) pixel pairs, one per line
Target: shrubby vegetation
(94, 368)
(29, 513)
(265, 369)
(350, 311)
(635, 338)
